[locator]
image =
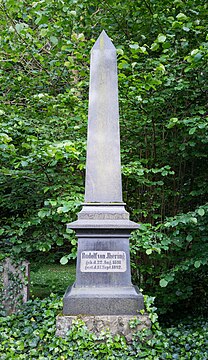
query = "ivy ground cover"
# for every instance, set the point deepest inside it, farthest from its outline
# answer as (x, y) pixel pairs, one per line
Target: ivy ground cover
(30, 334)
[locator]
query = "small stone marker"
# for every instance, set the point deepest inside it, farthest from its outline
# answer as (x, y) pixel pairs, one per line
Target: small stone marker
(15, 287)
(103, 287)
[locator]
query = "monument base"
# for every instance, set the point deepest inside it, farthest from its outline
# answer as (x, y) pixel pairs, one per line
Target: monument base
(125, 325)
(119, 300)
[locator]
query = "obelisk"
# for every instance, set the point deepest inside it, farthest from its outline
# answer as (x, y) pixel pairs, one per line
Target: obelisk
(103, 170)
(103, 278)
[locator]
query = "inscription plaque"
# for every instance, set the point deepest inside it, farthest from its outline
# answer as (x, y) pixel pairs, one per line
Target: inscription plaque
(103, 261)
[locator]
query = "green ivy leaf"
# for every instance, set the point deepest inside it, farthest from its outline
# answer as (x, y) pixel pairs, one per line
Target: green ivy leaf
(54, 40)
(192, 131)
(181, 17)
(59, 242)
(189, 238)
(193, 220)
(154, 46)
(163, 283)
(64, 260)
(201, 211)
(149, 251)
(161, 38)
(134, 46)
(197, 264)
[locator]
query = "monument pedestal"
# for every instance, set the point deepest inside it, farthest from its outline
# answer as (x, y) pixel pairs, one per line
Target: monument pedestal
(103, 295)
(103, 276)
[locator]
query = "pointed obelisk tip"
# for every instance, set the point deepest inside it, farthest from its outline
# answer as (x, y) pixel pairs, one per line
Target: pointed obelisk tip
(103, 42)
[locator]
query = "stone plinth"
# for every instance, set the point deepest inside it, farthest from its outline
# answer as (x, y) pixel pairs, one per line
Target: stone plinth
(125, 325)
(103, 300)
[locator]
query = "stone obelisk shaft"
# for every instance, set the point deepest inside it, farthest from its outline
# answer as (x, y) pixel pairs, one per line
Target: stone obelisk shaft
(103, 169)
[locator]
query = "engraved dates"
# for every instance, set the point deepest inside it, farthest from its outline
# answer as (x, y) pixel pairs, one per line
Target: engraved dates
(103, 261)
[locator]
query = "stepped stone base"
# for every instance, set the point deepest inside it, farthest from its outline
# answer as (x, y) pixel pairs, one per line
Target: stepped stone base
(103, 301)
(116, 324)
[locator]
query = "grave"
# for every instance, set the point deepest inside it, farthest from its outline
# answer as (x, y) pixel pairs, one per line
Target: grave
(15, 285)
(103, 294)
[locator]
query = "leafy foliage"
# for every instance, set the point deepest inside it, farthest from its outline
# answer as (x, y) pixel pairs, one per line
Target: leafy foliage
(170, 253)
(31, 333)
(162, 65)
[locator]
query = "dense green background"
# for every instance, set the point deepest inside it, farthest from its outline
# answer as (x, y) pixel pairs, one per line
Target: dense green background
(162, 71)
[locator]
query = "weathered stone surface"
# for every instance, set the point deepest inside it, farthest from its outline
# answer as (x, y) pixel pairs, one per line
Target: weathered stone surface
(116, 324)
(15, 289)
(103, 241)
(103, 169)
(103, 216)
(102, 292)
